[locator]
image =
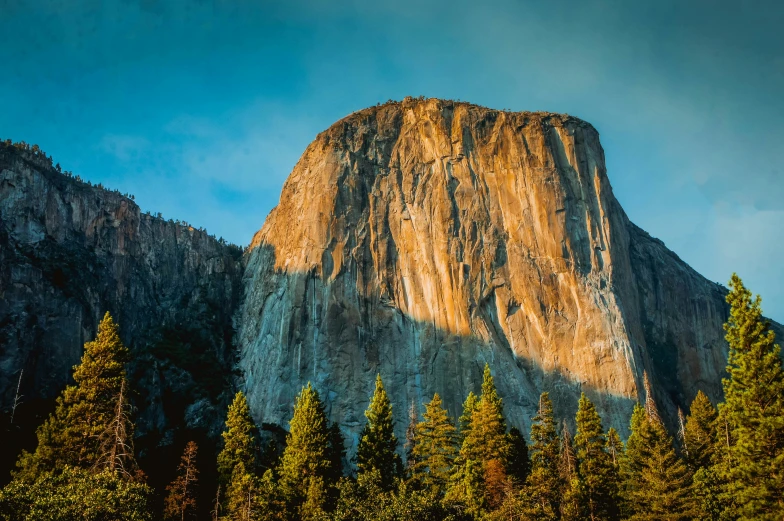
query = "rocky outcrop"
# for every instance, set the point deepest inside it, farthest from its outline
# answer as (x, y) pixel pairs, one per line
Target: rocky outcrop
(69, 252)
(421, 239)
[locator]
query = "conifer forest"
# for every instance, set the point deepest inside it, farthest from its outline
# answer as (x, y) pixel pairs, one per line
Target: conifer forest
(724, 462)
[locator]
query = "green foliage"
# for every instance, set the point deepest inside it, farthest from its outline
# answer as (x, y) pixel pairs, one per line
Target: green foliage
(366, 500)
(466, 492)
(486, 438)
(464, 422)
(490, 396)
(307, 454)
(699, 433)
(706, 495)
(74, 494)
(658, 483)
(242, 495)
(434, 449)
(72, 435)
(543, 484)
(239, 440)
(750, 461)
(361, 499)
(378, 444)
(313, 508)
(597, 477)
(732, 466)
(480, 476)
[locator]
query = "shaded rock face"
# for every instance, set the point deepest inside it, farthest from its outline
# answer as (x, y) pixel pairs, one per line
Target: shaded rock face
(69, 252)
(421, 239)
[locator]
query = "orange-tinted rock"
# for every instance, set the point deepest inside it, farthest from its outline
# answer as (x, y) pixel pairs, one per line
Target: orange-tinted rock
(422, 239)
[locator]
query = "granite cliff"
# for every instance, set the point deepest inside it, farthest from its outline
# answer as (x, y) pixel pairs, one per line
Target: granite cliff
(417, 239)
(421, 239)
(69, 252)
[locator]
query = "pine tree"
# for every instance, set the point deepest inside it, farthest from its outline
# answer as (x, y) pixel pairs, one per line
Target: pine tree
(486, 439)
(307, 453)
(490, 396)
(544, 485)
(242, 494)
(751, 419)
(699, 433)
(467, 492)
(699, 449)
(180, 503)
(312, 507)
(377, 449)
(464, 422)
(239, 441)
(71, 436)
(434, 450)
(270, 505)
(598, 480)
(658, 483)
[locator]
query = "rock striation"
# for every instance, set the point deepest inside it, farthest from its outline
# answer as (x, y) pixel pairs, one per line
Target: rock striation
(69, 252)
(423, 239)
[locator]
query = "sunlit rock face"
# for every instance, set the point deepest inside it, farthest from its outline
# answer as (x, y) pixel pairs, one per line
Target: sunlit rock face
(422, 239)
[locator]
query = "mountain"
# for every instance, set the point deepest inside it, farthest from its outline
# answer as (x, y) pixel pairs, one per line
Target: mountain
(69, 252)
(417, 239)
(422, 239)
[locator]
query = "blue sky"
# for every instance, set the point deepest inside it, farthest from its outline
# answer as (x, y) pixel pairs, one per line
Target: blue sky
(201, 108)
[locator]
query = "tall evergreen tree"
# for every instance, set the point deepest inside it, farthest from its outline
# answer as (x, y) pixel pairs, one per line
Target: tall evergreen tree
(699, 448)
(307, 453)
(485, 443)
(434, 450)
(241, 494)
(180, 503)
(85, 410)
(239, 441)
(464, 422)
(491, 397)
(543, 485)
(486, 439)
(658, 483)
(751, 419)
(377, 448)
(598, 496)
(699, 433)
(467, 492)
